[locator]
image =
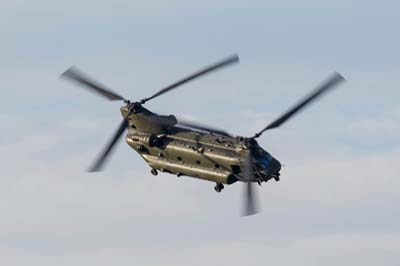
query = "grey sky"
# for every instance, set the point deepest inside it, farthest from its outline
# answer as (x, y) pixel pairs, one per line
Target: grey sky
(337, 200)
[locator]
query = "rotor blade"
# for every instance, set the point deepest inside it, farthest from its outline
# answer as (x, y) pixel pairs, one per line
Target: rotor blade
(73, 74)
(98, 165)
(331, 83)
(250, 207)
(195, 125)
(216, 66)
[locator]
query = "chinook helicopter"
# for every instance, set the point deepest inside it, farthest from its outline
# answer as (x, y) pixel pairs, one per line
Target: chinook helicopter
(184, 148)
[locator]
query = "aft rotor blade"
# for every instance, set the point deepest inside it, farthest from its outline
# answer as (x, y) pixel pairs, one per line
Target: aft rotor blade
(99, 163)
(329, 84)
(250, 199)
(216, 66)
(195, 125)
(75, 75)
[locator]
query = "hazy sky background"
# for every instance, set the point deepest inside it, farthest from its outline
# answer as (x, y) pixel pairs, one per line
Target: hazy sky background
(337, 202)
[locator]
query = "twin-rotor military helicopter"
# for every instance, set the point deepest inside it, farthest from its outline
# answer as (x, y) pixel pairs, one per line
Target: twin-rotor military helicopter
(189, 149)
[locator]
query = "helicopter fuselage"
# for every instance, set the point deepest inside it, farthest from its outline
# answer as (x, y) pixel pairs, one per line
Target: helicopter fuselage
(185, 152)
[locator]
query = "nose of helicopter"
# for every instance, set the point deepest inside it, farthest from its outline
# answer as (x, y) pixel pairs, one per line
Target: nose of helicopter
(274, 166)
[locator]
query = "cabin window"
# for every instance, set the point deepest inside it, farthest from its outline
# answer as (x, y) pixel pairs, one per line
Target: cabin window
(143, 149)
(236, 169)
(179, 158)
(198, 162)
(216, 165)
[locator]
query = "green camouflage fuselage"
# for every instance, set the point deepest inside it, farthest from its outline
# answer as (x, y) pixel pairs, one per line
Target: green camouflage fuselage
(181, 151)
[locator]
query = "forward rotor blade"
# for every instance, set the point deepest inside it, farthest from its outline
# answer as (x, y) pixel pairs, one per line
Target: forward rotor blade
(331, 83)
(99, 163)
(250, 208)
(216, 66)
(74, 75)
(195, 125)
(251, 204)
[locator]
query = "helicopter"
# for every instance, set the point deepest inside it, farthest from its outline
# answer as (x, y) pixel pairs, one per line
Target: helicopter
(185, 148)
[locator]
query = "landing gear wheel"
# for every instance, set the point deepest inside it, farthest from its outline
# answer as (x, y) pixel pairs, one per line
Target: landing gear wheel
(154, 172)
(219, 187)
(277, 178)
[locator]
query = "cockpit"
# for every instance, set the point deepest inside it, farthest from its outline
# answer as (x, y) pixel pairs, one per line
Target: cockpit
(266, 166)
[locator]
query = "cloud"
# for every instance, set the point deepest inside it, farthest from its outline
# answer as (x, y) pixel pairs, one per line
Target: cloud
(328, 250)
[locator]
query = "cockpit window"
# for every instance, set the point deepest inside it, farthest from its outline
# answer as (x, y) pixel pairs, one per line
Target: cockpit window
(265, 160)
(267, 156)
